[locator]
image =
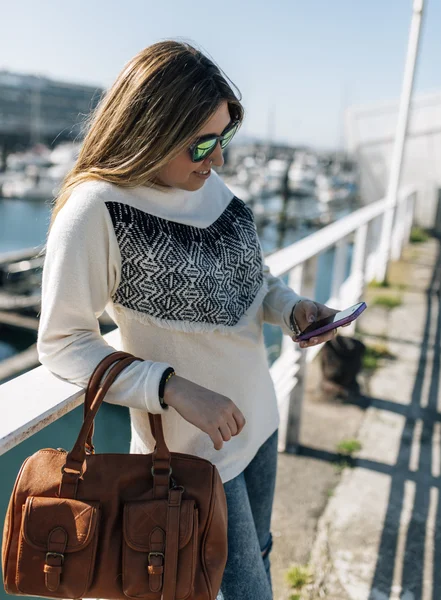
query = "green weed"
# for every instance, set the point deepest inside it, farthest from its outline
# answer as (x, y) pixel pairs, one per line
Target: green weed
(388, 302)
(298, 576)
(418, 235)
(348, 447)
(379, 284)
(373, 354)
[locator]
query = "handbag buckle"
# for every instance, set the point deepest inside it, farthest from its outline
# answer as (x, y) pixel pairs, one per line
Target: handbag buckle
(55, 555)
(161, 554)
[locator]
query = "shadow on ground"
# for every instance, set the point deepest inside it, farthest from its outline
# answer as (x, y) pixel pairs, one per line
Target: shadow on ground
(423, 413)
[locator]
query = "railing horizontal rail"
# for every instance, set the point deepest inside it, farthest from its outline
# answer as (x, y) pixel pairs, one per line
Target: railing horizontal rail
(36, 399)
(17, 255)
(32, 401)
(282, 261)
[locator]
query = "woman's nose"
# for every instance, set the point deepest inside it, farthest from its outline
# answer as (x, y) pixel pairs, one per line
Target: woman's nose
(217, 156)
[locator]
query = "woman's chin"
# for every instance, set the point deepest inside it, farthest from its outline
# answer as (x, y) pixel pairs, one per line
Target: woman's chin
(192, 184)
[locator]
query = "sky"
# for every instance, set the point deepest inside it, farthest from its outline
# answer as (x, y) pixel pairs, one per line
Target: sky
(297, 63)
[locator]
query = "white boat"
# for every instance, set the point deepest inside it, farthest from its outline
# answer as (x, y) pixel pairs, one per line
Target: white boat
(33, 184)
(38, 173)
(65, 154)
(301, 180)
(332, 189)
(276, 167)
(37, 156)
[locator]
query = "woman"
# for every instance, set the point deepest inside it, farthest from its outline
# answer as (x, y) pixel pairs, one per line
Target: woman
(146, 230)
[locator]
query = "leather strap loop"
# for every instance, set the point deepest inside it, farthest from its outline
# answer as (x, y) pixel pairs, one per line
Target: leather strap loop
(68, 485)
(161, 450)
(161, 459)
(172, 543)
(161, 484)
(53, 567)
(156, 559)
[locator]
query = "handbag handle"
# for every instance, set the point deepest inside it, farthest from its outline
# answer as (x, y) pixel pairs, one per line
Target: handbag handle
(93, 386)
(75, 458)
(92, 390)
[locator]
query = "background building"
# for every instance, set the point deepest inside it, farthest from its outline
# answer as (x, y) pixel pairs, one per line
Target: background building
(370, 135)
(36, 109)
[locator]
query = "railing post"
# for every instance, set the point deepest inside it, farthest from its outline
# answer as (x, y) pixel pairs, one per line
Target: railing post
(398, 229)
(339, 269)
(303, 278)
(358, 270)
(295, 406)
(295, 279)
(410, 213)
(358, 267)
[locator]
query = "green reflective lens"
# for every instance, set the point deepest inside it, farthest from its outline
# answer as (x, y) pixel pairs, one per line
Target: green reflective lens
(228, 137)
(203, 149)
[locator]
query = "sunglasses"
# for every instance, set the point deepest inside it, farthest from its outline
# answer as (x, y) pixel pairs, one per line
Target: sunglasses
(205, 145)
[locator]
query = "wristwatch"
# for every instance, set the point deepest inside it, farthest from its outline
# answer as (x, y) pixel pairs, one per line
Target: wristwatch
(293, 323)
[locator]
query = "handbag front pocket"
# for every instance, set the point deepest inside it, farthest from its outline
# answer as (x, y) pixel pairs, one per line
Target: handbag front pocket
(144, 547)
(58, 541)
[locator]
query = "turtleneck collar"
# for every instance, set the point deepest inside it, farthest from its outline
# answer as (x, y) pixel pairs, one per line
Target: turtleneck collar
(199, 208)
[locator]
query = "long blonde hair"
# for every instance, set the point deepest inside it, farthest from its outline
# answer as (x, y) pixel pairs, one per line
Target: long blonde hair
(152, 112)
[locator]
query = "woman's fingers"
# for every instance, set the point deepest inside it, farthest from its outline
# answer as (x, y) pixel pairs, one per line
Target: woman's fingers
(320, 339)
(218, 442)
(225, 432)
(233, 426)
(240, 420)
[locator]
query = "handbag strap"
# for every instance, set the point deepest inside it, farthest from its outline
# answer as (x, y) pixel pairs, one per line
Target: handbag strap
(92, 389)
(161, 455)
(172, 543)
(72, 469)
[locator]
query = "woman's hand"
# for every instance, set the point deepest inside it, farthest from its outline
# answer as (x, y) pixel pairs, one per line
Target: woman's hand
(307, 312)
(211, 412)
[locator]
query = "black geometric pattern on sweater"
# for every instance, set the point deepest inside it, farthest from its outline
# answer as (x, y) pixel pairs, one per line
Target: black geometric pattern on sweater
(178, 272)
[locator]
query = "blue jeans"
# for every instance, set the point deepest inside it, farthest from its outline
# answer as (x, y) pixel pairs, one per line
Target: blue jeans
(250, 502)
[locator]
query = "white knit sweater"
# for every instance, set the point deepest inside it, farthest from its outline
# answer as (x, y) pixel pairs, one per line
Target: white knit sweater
(181, 273)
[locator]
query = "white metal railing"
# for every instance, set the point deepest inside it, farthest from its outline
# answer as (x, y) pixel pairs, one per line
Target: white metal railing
(32, 401)
(363, 230)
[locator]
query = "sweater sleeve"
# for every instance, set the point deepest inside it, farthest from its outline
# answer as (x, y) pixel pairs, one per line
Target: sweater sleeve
(278, 302)
(81, 272)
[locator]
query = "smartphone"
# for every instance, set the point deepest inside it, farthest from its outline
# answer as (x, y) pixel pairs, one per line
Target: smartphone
(341, 318)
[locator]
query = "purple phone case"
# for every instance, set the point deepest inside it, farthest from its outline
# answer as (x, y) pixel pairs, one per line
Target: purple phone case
(304, 337)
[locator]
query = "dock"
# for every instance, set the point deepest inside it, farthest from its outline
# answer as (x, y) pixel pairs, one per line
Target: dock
(19, 363)
(16, 320)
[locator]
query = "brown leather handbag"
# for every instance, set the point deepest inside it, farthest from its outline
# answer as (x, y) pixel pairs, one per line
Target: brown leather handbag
(144, 526)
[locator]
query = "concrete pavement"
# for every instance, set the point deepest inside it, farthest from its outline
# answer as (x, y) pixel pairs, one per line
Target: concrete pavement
(373, 532)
